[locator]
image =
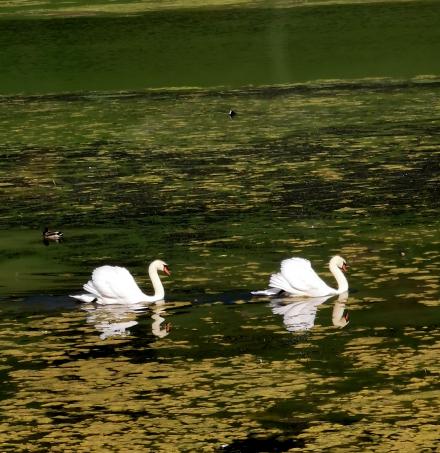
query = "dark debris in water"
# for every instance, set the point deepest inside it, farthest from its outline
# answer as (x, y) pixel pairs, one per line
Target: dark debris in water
(254, 444)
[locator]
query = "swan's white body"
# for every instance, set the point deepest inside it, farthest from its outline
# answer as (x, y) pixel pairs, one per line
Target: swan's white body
(297, 278)
(115, 285)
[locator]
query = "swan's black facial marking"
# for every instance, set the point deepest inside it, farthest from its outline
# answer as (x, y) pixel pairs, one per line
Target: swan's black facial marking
(166, 270)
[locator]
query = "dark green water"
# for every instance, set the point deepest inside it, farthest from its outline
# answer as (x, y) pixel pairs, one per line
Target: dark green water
(312, 169)
(224, 47)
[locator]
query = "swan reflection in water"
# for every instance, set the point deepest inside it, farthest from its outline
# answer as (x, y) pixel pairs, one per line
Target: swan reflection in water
(159, 328)
(116, 320)
(299, 315)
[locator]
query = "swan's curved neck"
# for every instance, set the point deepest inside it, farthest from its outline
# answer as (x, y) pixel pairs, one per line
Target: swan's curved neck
(159, 292)
(340, 278)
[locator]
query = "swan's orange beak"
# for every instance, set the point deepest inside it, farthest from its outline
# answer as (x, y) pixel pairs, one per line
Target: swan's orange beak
(345, 267)
(166, 270)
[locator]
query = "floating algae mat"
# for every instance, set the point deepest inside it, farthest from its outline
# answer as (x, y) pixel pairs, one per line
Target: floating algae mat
(308, 170)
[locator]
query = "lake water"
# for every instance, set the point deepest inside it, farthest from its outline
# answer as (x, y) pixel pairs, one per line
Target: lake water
(305, 168)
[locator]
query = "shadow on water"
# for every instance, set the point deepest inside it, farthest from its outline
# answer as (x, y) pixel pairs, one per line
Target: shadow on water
(256, 444)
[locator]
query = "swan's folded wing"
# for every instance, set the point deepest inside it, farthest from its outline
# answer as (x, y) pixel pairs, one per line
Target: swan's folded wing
(300, 275)
(113, 282)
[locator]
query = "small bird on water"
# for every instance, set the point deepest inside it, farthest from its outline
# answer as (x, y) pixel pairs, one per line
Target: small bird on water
(231, 113)
(55, 236)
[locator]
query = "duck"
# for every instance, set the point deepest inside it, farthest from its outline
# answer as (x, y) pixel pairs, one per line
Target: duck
(297, 278)
(115, 285)
(49, 235)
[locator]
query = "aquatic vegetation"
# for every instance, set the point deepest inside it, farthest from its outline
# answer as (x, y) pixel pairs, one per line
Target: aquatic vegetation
(245, 380)
(304, 169)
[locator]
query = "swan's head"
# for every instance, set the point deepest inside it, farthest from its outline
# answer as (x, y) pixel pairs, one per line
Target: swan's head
(339, 262)
(161, 266)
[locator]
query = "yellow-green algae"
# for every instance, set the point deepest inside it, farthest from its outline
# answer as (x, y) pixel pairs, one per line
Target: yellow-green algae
(192, 402)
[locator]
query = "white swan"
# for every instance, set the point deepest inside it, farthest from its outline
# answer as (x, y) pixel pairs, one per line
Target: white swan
(297, 278)
(115, 285)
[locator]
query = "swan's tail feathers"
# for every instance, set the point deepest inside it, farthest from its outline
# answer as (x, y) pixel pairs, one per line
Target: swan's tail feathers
(90, 288)
(278, 282)
(84, 297)
(90, 296)
(266, 292)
